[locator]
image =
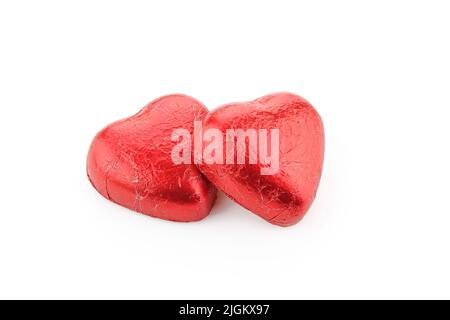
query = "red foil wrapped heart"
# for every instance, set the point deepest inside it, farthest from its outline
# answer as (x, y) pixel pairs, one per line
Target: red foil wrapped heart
(281, 193)
(130, 163)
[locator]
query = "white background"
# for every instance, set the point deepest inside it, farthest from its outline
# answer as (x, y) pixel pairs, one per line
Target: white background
(377, 71)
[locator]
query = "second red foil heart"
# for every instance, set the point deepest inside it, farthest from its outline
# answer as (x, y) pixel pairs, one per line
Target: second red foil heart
(275, 170)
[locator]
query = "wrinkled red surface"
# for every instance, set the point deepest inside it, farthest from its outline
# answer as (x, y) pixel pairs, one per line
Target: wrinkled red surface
(283, 198)
(129, 163)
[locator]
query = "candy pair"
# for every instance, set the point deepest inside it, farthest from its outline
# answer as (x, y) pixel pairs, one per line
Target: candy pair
(167, 160)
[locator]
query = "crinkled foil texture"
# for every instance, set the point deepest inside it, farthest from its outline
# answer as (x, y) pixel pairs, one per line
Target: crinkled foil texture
(283, 198)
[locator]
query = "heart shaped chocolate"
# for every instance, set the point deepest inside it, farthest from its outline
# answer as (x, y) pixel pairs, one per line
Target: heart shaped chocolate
(130, 162)
(266, 154)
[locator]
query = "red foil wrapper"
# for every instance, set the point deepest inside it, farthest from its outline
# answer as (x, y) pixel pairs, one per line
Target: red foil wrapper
(281, 194)
(130, 163)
